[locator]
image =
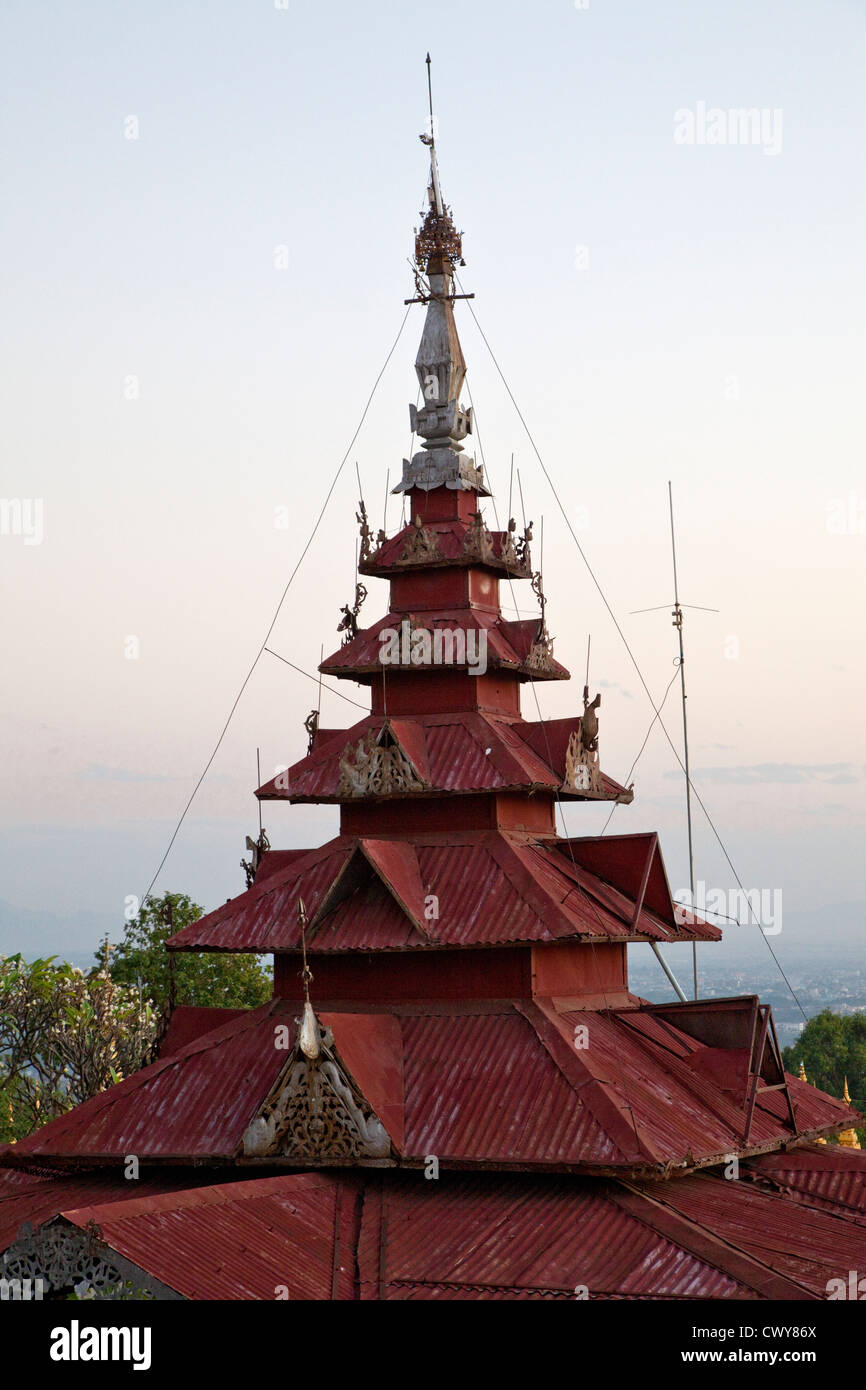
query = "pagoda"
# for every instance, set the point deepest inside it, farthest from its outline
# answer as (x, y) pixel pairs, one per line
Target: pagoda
(453, 1093)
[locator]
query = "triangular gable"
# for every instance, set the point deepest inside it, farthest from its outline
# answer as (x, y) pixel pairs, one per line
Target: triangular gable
(409, 736)
(634, 865)
(315, 1110)
(394, 865)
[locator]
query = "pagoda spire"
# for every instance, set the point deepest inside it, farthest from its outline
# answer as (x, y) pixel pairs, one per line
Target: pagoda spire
(848, 1138)
(442, 421)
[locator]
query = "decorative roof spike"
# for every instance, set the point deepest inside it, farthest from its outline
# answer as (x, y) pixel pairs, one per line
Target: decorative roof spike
(308, 1037)
(442, 422)
(848, 1138)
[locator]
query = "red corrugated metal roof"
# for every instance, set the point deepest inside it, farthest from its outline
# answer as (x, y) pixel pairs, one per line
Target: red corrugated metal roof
(508, 1237)
(463, 1236)
(187, 1023)
(493, 1083)
(464, 753)
(808, 1248)
(278, 861)
(451, 535)
(826, 1176)
(194, 1103)
(26, 1197)
(457, 1070)
(266, 915)
(243, 1240)
(508, 644)
(493, 888)
(468, 1095)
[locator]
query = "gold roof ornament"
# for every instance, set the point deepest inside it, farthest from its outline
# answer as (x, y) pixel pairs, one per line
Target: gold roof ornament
(848, 1138)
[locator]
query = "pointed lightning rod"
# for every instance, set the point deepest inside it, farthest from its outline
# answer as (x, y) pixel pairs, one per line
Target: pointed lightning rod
(434, 163)
(677, 616)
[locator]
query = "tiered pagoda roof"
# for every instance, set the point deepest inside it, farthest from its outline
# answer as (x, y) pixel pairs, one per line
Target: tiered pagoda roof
(451, 989)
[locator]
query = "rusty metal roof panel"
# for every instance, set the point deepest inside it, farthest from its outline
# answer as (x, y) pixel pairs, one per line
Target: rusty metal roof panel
(478, 903)
(804, 1245)
(676, 1107)
(196, 1102)
(504, 1083)
(369, 919)
(26, 1197)
(493, 888)
(460, 761)
(496, 1236)
(827, 1176)
(468, 1094)
(265, 917)
(240, 1240)
(508, 643)
(464, 752)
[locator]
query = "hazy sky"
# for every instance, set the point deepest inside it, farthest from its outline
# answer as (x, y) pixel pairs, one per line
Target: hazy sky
(662, 309)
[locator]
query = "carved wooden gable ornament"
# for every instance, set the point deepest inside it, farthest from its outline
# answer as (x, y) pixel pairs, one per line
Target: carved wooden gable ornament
(314, 1109)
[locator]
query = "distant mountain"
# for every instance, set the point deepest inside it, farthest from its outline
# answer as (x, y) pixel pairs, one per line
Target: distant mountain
(35, 932)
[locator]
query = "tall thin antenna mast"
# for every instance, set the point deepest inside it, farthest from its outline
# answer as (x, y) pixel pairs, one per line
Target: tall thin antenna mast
(678, 624)
(258, 784)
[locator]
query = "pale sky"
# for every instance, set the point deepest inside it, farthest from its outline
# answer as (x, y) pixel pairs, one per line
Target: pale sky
(660, 310)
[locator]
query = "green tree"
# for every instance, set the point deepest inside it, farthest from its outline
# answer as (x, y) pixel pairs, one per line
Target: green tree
(214, 979)
(832, 1047)
(64, 1037)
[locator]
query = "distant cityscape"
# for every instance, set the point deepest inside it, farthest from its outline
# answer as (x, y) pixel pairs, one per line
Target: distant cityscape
(820, 981)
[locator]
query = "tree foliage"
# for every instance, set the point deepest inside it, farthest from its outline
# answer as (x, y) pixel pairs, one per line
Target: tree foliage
(204, 978)
(64, 1037)
(832, 1048)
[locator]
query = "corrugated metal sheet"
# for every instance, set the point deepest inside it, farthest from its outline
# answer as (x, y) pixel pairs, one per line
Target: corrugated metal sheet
(807, 1246)
(265, 917)
(240, 1240)
(451, 535)
(498, 1237)
(187, 1023)
(465, 752)
(369, 919)
(493, 888)
(825, 1176)
(467, 1094)
(478, 903)
(28, 1198)
(195, 1103)
(493, 1083)
(479, 1236)
(508, 643)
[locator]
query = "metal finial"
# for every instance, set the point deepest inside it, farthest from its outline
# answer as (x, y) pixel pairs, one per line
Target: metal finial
(309, 1035)
(306, 972)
